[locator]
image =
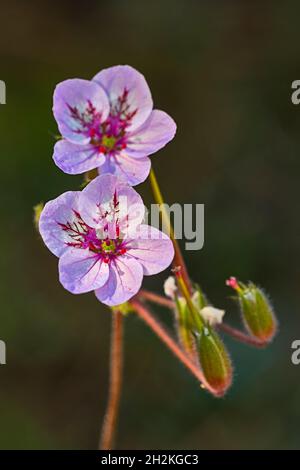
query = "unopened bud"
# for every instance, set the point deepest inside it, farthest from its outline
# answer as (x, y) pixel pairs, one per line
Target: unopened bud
(257, 311)
(37, 210)
(215, 361)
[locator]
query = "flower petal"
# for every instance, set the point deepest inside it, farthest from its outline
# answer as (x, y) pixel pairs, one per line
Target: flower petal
(130, 169)
(125, 279)
(77, 106)
(154, 134)
(107, 199)
(74, 159)
(55, 213)
(123, 78)
(82, 271)
(152, 248)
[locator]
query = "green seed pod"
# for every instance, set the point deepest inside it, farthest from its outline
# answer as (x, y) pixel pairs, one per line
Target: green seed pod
(214, 360)
(257, 312)
(184, 328)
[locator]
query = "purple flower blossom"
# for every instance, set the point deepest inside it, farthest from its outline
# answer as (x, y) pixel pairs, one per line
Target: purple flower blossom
(109, 123)
(101, 242)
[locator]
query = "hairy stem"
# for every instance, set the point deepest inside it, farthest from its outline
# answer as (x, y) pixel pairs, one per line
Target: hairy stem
(165, 337)
(178, 260)
(115, 382)
(241, 336)
(183, 334)
(195, 315)
(156, 299)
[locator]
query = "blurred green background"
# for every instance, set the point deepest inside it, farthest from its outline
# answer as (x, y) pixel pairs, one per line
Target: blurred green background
(223, 70)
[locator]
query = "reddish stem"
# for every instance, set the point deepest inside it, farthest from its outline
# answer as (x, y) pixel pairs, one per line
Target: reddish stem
(165, 337)
(156, 298)
(241, 336)
(116, 365)
(178, 262)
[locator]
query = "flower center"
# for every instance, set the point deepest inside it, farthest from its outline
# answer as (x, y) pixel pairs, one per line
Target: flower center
(107, 249)
(109, 142)
(108, 137)
(80, 235)
(108, 246)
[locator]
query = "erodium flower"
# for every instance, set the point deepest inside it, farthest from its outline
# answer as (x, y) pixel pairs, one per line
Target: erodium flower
(109, 123)
(101, 242)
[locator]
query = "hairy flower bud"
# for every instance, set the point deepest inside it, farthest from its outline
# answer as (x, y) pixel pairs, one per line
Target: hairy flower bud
(184, 329)
(214, 360)
(37, 210)
(256, 310)
(258, 314)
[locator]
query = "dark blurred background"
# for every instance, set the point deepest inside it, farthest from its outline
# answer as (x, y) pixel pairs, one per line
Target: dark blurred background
(223, 70)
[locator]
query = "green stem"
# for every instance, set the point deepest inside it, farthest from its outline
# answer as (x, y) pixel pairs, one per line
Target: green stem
(178, 261)
(193, 311)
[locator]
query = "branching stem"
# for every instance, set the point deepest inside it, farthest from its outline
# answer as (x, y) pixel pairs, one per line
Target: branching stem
(144, 313)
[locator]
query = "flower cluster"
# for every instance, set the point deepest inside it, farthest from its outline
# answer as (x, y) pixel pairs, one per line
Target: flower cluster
(108, 124)
(98, 234)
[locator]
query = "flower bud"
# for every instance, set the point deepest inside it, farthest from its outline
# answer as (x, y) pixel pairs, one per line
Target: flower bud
(186, 324)
(258, 314)
(256, 310)
(214, 360)
(37, 210)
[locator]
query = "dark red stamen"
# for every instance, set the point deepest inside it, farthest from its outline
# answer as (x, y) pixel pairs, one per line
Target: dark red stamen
(115, 199)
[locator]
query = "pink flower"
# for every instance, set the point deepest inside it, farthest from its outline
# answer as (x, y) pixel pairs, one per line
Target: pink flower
(101, 241)
(109, 123)
(232, 282)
